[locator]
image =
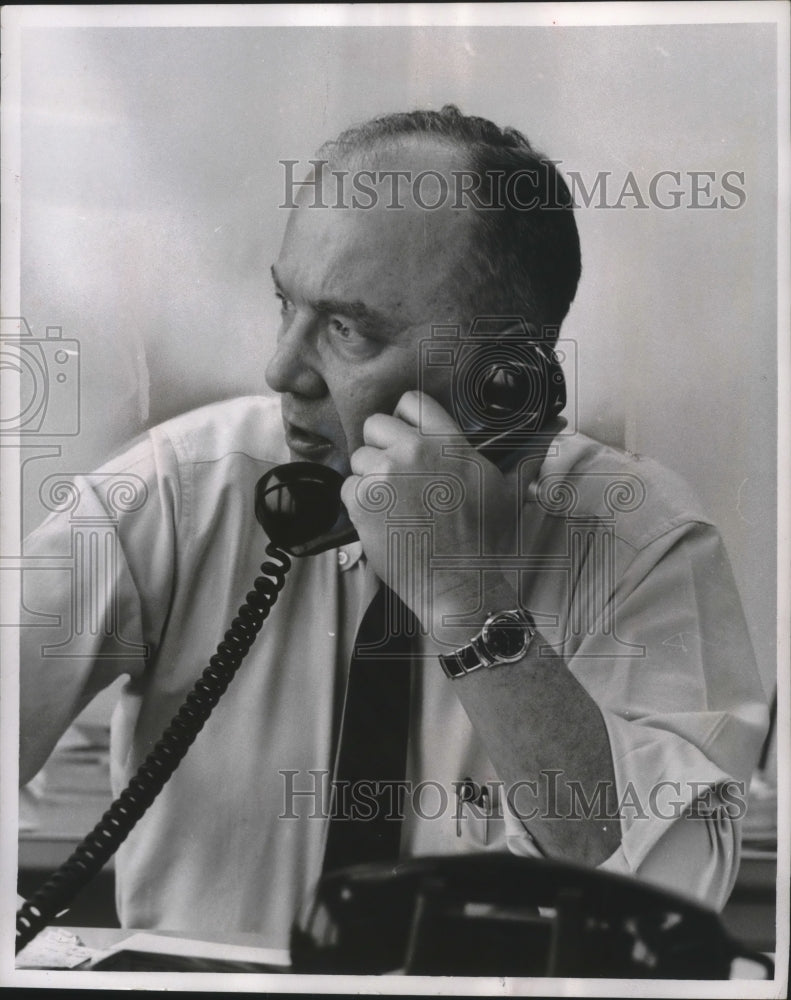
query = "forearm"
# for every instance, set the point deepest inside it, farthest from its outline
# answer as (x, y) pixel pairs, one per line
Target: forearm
(547, 741)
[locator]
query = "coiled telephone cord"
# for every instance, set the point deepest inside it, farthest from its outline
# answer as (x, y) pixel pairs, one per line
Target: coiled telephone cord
(120, 819)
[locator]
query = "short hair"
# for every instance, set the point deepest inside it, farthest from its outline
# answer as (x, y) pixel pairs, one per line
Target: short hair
(526, 261)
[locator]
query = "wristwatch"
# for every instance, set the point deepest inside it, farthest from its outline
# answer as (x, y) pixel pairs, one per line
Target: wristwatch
(504, 638)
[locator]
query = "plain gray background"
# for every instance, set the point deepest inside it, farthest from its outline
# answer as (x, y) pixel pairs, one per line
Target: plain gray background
(150, 183)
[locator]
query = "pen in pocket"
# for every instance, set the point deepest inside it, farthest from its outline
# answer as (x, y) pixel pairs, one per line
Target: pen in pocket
(476, 796)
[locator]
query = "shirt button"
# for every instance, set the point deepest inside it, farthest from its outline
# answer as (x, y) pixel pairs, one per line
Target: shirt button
(343, 558)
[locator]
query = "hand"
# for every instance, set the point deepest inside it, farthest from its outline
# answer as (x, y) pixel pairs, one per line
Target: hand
(426, 505)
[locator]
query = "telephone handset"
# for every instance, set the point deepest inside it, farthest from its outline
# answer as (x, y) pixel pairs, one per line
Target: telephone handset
(300, 508)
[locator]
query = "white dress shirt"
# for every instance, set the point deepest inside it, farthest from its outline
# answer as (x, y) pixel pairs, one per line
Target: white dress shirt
(624, 575)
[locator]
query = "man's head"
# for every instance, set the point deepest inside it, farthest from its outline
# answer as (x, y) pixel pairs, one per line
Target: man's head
(362, 281)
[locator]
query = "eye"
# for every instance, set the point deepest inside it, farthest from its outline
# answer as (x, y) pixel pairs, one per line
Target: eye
(340, 329)
(344, 332)
(285, 305)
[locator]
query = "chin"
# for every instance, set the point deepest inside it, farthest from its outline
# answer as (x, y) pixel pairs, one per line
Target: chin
(332, 458)
(340, 462)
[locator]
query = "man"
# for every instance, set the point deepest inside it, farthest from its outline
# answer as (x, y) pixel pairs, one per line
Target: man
(593, 736)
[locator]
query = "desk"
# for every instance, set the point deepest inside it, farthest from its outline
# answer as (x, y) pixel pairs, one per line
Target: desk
(104, 938)
(79, 949)
(214, 945)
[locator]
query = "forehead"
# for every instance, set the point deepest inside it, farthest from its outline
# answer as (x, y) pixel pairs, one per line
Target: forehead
(386, 244)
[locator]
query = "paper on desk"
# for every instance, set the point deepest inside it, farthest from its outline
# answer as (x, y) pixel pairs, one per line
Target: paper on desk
(163, 945)
(54, 948)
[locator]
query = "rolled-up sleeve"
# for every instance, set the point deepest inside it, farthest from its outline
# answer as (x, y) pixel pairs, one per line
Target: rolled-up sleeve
(95, 588)
(684, 710)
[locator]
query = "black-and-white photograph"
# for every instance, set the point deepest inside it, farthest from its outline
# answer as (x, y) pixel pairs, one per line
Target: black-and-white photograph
(395, 539)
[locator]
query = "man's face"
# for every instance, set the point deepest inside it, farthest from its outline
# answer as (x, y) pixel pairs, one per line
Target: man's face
(359, 290)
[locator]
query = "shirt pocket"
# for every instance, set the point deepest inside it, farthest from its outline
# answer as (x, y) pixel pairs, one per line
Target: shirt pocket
(478, 816)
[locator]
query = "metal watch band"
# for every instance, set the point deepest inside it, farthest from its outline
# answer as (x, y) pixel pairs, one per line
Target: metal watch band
(477, 654)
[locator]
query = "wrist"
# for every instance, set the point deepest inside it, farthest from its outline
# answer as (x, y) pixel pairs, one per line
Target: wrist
(453, 623)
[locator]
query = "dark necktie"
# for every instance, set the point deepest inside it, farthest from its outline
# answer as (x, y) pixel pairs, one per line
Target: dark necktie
(373, 742)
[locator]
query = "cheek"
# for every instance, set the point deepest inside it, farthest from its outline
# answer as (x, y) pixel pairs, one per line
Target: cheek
(364, 393)
(353, 407)
(358, 403)
(437, 382)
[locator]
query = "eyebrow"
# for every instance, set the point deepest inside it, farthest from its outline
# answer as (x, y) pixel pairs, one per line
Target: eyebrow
(356, 310)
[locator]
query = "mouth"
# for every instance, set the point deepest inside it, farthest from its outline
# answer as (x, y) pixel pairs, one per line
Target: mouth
(307, 444)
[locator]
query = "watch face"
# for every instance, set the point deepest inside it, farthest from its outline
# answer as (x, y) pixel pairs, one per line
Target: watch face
(506, 638)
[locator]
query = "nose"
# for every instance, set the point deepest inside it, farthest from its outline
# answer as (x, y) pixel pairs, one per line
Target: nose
(294, 367)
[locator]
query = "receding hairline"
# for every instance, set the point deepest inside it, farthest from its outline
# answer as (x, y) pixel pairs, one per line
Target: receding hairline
(368, 151)
(525, 262)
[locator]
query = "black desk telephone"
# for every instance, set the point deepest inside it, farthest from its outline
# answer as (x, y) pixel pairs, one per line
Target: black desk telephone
(300, 509)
